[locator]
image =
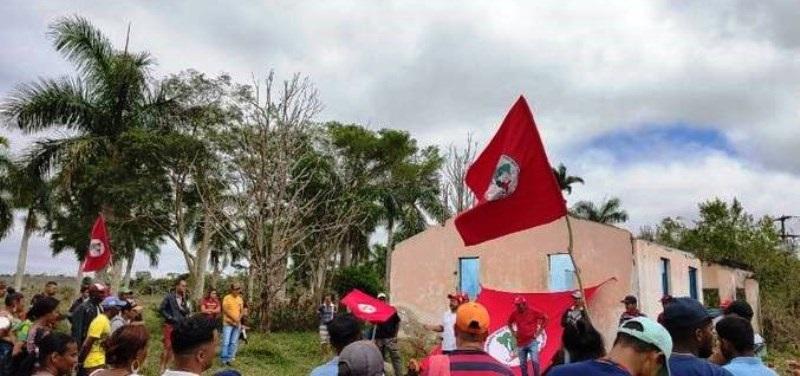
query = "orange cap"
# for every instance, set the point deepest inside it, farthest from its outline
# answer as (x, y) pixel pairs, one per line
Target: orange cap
(473, 318)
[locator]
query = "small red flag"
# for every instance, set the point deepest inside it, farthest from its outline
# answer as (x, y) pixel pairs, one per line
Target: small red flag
(512, 181)
(367, 308)
(99, 253)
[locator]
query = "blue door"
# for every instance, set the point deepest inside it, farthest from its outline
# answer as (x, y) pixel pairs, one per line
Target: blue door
(561, 273)
(469, 276)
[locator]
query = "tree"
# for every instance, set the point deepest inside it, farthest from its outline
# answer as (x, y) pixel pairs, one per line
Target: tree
(456, 195)
(565, 181)
(33, 194)
(608, 212)
(6, 185)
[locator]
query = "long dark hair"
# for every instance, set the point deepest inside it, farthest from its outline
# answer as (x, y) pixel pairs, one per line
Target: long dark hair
(41, 307)
(55, 342)
(125, 343)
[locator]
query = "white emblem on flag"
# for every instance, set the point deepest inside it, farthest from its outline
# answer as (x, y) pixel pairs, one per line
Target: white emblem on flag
(366, 308)
(502, 346)
(96, 248)
(505, 179)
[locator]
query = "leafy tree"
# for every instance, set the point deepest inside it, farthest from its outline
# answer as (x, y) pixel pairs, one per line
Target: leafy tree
(565, 181)
(608, 212)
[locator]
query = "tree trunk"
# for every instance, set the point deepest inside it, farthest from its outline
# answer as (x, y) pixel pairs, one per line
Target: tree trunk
(389, 247)
(126, 282)
(215, 275)
(22, 258)
(203, 254)
(116, 275)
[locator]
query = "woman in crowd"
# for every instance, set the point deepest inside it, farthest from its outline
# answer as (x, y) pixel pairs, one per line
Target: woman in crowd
(210, 305)
(44, 316)
(126, 351)
(57, 356)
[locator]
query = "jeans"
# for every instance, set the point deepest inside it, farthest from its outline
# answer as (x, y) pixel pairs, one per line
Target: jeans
(523, 352)
(230, 340)
(394, 353)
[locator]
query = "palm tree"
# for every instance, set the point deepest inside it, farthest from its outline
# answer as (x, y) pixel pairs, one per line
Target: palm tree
(608, 212)
(6, 185)
(32, 194)
(565, 181)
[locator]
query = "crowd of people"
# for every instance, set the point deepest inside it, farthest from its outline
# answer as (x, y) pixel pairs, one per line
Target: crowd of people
(686, 339)
(107, 335)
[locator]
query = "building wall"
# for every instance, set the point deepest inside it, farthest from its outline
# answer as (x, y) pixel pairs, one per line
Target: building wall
(727, 279)
(648, 270)
(425, 267)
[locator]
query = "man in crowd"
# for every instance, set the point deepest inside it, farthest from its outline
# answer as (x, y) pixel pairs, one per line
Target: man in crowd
(738, 348)
(326, 311)
(93, 354)
(642, 348)
(527, 324)
(87, 311)
(360, 358)
(576, 312)
(343, 330)
(386, 339)
(194, 343)
(741, 308)
(631, 309)
(174, 308)
(665, 300)
(232, 310)
(82, 298)
(3, 289)
(50, 289)
(448, 322)
(690, 326)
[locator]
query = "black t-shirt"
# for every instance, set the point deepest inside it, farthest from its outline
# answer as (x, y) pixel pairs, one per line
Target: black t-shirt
(389, 328)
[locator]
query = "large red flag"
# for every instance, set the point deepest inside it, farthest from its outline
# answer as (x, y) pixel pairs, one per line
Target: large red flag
(367, 308)
(99, 253)
(501, 344)
(513, 182)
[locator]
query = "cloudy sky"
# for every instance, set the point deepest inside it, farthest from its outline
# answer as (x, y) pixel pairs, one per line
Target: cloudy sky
(661, 103)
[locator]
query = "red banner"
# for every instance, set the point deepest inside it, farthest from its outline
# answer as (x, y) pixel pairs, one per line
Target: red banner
(99, 253)
(367, 308)
(501, 344)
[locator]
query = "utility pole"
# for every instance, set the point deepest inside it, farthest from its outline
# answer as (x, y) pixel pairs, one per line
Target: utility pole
(786, 237)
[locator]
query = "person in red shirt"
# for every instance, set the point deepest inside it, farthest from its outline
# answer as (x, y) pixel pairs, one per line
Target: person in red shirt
(527, 324)
(210, 305)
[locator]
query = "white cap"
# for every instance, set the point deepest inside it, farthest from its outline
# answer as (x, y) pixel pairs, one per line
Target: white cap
(381, 295)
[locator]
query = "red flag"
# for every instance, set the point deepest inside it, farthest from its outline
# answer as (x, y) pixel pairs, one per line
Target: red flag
(99, 253)
(513, 182)
(500, 344)
(367, 308)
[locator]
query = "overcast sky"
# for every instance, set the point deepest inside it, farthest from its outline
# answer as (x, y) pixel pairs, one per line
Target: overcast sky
(661, 103)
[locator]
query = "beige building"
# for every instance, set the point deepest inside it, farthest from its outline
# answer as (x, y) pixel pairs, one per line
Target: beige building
(426, 267)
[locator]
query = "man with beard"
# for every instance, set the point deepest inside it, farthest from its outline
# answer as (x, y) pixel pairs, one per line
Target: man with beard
(690, 326)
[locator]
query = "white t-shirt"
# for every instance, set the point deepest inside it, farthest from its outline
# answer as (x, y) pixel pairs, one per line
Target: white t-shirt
(449, 333)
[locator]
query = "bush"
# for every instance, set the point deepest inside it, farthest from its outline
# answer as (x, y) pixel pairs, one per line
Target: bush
(294, 315)
(360, 277)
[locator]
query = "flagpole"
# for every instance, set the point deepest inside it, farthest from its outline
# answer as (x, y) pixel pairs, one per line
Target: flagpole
(570, 250)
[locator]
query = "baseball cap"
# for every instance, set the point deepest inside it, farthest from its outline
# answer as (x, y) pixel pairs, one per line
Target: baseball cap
(520, 300)
(686, 312)
(630, 299)
(361, 358)
(473, 318)
(381, 296)
(113, 301)
(652, 333)
(460, 297)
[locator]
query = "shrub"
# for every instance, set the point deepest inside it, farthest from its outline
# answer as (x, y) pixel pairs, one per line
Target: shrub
(360, 277)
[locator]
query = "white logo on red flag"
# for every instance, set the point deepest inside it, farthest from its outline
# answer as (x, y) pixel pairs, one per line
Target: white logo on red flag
(367, 308)
(505, 179)
(96, 248)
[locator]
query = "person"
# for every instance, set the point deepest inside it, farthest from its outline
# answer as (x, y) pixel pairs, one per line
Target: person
(690, 326)
(44, 315)
(3, 289)
(325, 312)
(126, 351)
(642, 348)
(50, 290)
(469, 358)
(344, 329)
(741, 308)
(93, 355)
(20, 323)
(232, 306)
(582, 341)
(449, 321)
(210, 305)
(87, 311)
(123, 318)
(57, 356)
(10, 347)
(174, 308)
(527, 325)
(82, 298)
(386, 338)
(12, 303)
(665, 300)
(576, 312)
(360, 358)
(738, 347)
(193, 344)
(631, 309)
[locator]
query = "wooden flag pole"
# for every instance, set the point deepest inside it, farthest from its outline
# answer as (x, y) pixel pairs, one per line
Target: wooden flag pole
(570, 250)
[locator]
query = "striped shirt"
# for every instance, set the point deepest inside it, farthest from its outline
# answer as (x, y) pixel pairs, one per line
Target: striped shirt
(471, 363)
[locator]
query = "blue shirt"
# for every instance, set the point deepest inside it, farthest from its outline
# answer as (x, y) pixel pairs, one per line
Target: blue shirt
(690, 365)
(590, 367)
(328, 369)
(748, 366)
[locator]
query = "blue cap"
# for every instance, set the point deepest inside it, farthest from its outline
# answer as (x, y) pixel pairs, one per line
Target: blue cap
(112, 302)
(686, 313)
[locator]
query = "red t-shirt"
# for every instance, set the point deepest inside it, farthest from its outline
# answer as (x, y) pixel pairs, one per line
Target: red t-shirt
(527, 324)
(210, 303)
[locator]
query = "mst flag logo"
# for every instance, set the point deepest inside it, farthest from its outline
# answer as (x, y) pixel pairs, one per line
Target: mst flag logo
(505, 179)
(367, 308)
(502, 346)
(96, 248)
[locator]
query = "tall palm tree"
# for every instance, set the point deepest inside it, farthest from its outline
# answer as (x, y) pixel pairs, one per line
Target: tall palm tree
(608, 212)
(6, 185)
(34, 195)
(565, 181)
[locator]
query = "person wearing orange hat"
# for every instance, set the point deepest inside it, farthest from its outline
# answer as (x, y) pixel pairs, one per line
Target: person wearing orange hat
(447, 328)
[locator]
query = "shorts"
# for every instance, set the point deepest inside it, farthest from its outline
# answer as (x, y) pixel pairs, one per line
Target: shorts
(324, 337)
(167, 331)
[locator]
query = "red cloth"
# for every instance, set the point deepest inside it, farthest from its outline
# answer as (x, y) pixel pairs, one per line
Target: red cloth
(99, 253)
(513, 182)
(367, 308)
(500, 304)
(209, 304)
(527, 323)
